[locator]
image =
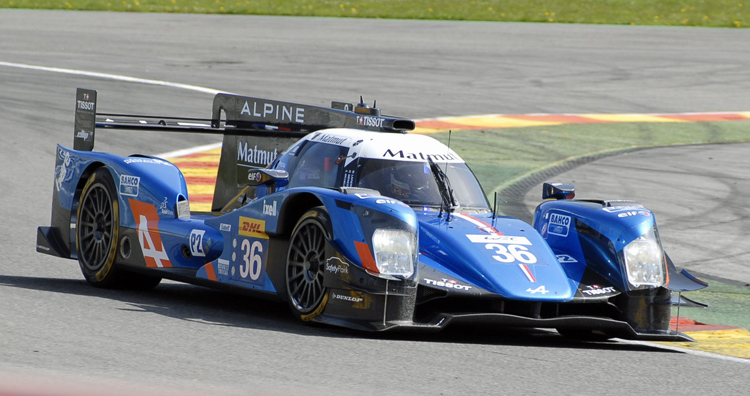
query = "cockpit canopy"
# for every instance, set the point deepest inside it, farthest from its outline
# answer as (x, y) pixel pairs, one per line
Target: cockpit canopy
(369, 160)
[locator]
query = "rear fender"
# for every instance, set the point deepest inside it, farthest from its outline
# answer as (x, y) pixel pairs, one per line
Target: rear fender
(72, 169)
(151, 180)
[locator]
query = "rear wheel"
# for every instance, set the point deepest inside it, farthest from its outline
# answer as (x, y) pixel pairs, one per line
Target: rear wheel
(305, 264)
(97, 230)
(97, 236)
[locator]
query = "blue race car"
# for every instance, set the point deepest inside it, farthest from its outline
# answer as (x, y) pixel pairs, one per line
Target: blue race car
(354, 222)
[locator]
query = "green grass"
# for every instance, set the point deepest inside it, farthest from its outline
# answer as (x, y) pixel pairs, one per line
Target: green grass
(713, 13)
(728, 305)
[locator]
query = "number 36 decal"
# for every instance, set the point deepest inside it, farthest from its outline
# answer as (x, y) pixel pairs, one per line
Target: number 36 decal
(506, 248)
(511, 253)
(252, 259)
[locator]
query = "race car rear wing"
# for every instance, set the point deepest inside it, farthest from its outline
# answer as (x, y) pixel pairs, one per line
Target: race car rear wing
(241, 115)
(255, 130)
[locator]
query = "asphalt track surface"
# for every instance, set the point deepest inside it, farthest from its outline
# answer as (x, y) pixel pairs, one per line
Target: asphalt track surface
(58, 336)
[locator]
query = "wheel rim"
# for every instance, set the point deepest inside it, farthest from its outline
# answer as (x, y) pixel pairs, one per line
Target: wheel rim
(305, 267)
(95, 227)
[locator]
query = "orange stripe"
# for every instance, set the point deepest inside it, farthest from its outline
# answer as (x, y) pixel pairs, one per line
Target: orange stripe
(368, 262)
(198, 164)
(445, 124)
(435, 124)
(201, 198)
(708, 117)
(209, 181)
(210, 273)
(565, 119)
(200, 154)
(685, 324)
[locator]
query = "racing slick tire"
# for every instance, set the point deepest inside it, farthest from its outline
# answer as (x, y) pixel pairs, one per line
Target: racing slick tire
(305, 264)
(97, 234)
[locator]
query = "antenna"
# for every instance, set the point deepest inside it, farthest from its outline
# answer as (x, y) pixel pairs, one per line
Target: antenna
(494, 209)
(449, 148)
(446, 169)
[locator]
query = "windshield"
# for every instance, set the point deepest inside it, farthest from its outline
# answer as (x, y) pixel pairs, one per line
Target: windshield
(314, 164)
(414, 183)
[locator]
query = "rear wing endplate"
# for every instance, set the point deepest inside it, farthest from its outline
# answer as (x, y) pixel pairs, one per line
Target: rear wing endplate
(85, 119)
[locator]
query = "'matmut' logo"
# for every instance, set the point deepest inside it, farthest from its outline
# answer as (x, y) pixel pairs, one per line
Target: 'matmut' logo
(326, 138)
(419, 156)
(254, 155)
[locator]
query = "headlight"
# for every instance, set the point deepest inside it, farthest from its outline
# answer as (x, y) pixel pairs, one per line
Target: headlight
(644, 261)
(395, 251)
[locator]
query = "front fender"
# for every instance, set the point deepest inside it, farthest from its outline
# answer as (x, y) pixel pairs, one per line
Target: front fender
(356, 217)
(593, 233)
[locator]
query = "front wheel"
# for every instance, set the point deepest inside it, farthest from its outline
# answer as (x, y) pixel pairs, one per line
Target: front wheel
(305, 264)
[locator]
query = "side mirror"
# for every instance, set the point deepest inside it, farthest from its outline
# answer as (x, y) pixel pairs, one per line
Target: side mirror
(558, 191)
(260, 182)
(272, 178)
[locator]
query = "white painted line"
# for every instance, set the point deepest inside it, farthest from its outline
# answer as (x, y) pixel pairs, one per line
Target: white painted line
(177, 153)
(113, 77)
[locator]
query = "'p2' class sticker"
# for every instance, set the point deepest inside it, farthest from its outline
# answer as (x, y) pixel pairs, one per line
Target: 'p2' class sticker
(559, 225)
(196, 243)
